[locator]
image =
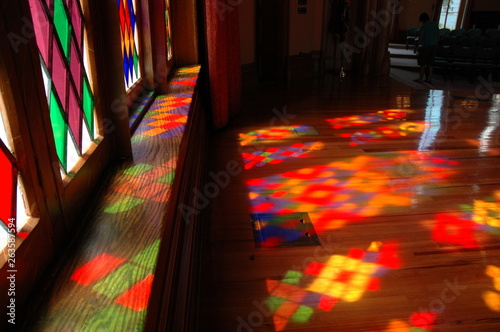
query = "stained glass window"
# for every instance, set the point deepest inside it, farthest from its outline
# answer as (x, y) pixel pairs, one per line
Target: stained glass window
(59, 28)
(130, 41)
(169, 29)
(12, 212)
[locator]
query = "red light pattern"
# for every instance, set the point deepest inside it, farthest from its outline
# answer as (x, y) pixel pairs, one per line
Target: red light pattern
(349, 190)
(366, 119)
(323, 285)
(274, 156)
(96, 269)
(380, 133)
(455, 230)
(276, 133)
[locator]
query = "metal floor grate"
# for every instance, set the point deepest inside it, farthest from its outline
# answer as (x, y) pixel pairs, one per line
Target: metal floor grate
(275, 230)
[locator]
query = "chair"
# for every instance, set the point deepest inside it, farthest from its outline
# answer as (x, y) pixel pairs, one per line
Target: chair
(492, 33)
(475, 32)
(444, 32)
(462, 60)
(411, 36)
(457, 32)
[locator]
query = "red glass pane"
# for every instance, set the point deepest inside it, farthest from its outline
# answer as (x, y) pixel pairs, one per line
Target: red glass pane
(59, 74)
(8, 175)
(76, 69)
(41, 27)
(75, 118)
(76, 20)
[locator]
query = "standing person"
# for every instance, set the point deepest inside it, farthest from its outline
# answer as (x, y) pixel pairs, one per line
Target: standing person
(426, 47)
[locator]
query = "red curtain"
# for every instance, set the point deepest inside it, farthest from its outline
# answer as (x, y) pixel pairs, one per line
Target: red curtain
(223, 56)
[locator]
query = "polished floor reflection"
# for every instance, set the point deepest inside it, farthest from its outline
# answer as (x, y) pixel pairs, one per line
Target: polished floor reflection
(402, 187)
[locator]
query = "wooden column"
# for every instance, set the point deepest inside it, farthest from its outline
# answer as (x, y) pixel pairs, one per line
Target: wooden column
(223, 57)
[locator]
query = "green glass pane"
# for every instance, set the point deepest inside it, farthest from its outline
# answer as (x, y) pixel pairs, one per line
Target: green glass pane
(88, 107)
(136, 62)
(63, 27)
(60, 129)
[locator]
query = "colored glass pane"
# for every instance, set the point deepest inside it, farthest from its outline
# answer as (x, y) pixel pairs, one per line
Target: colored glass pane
(76, 68)
(60, 38)
(169, 29)
(8, 174)
(62, 25)
(41, 27)
(59, 74)
(88, 107)
(76, 19)
(129, 38)
(59, 128)
(75, 118)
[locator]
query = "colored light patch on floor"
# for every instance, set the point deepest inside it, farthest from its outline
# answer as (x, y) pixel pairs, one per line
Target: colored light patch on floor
(148, 184)
(371, 118)
(322, 285)
(283, 230)
(147, 257)
(492, 297)
(349, 190)
(396, 131)
(115, 318)
(96, 269)
(120, 281)
(486, 213)
(347, 278)
(276, 134)
(274, 156)
(123, 205)
(455, 229)
(418, 322)
(137, 297)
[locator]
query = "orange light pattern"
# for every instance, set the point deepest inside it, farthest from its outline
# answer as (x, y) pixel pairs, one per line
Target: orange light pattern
(147, 184)
(486, 213)
(323, 285)
(167, 116)
(419, 322)
(276, 133)
(492, 298)
(391, 131)
(348, 190)
(371, 118)
(274, 156)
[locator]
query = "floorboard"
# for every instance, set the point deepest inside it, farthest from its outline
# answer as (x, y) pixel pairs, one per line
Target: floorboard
(401, 185)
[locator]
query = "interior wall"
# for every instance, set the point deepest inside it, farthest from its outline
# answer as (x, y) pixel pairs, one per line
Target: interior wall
(486, 5)
(305, 29)
(246, 12)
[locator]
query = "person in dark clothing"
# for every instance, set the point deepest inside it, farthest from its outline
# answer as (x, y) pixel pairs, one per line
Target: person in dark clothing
(426, 47)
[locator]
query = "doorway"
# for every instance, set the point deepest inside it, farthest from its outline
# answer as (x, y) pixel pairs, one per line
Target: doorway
(272, 17)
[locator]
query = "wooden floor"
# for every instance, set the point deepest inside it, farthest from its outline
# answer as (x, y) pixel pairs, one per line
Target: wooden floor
(402, 187)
